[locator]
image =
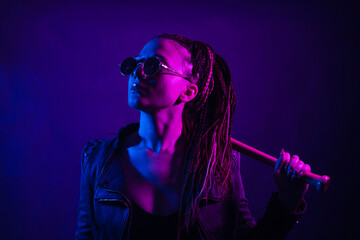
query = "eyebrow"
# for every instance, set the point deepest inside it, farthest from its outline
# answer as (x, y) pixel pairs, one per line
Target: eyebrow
(162, 58)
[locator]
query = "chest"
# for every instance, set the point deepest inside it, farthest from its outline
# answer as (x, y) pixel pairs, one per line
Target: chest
(153, 181)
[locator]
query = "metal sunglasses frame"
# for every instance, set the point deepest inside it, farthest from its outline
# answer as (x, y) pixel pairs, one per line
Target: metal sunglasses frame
(161, 65)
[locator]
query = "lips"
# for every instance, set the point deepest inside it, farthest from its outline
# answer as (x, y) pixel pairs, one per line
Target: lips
(136, 87)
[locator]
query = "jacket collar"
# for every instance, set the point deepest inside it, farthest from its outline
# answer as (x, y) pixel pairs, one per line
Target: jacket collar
(112, 175)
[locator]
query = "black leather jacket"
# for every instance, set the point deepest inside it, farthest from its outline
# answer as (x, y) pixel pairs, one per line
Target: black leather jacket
(105, 211)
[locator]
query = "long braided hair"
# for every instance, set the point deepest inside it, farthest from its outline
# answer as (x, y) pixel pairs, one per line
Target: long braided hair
(207, 121)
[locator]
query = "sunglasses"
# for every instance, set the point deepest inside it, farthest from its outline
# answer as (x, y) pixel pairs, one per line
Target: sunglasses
(151, 66)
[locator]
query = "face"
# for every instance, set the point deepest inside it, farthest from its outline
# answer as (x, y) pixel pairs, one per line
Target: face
(164, 89)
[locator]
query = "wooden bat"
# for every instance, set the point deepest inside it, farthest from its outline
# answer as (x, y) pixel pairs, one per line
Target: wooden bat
(321, 183)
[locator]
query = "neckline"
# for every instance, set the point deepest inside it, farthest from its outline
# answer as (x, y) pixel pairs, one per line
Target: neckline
(136, 207)
(130, 169)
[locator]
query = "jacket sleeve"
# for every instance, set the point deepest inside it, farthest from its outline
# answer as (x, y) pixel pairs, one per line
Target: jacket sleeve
(275, 224)
(85, 219)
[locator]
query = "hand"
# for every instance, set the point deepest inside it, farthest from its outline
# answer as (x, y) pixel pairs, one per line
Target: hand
(286, 175)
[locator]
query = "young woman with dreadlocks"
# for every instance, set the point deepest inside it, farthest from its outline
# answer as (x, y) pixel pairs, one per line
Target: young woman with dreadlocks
(174, 174)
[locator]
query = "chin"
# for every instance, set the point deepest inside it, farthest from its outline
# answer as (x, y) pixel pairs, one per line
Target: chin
(137, 104)
(146, 104)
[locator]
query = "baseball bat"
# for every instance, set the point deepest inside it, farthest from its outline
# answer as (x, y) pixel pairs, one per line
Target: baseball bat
(321, 183)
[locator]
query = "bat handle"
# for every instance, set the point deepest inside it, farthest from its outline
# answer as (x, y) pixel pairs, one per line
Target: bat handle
(321, 183)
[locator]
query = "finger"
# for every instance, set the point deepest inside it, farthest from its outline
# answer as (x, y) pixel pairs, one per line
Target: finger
(305, 169)
(294, 160)
(297, 170)
(280, 162)
(286, 161)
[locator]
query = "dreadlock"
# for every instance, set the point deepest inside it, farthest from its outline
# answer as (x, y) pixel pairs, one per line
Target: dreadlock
(207, 127)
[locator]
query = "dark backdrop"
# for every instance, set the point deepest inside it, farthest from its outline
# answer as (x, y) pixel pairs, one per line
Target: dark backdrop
(295, 68)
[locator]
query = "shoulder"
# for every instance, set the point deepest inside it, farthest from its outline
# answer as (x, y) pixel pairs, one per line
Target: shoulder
(97, 151)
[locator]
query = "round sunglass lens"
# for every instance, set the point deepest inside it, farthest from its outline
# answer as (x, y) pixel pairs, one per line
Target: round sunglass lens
(128, 66)
(151, 66)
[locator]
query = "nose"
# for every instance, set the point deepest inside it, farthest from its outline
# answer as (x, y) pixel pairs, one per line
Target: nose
(139, 72)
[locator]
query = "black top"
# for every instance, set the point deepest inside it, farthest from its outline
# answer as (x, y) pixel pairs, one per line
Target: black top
(145, 225)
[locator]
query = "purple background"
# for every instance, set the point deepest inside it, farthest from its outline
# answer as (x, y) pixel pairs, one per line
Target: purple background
(295, 68)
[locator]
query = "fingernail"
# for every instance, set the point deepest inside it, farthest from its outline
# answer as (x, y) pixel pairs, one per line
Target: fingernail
(282, 151)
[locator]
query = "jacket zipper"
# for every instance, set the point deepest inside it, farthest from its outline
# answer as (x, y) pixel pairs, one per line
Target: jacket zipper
(127, 204)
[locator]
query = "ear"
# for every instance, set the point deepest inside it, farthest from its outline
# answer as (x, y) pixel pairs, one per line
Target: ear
(190, 93)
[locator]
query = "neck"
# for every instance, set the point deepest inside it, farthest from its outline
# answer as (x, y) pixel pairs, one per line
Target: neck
(161, 131)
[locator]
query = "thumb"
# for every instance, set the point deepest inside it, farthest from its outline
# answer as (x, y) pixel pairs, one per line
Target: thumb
(280, 162)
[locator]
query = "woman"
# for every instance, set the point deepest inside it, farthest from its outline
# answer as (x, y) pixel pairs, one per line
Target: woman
(174, 175)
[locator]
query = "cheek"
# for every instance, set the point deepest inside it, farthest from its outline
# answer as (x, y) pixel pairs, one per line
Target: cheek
(168, 95)
(173, 88)
(172, 91)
